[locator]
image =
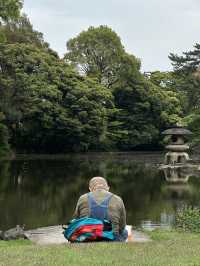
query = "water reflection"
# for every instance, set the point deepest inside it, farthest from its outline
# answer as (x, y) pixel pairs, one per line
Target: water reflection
(177, 175)
(41, 192)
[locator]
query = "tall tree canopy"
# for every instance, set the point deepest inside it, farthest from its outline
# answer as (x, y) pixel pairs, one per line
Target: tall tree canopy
(21, 31)
(98, 52)
(10, 9)
(188, 62)
(47, 106)
(95, 98)
(187, 73)
(144, 107)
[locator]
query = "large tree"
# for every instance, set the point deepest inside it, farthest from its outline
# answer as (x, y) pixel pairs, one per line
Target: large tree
(47, 105)
(98, 52)
(145, 108)
(9, 10)
(186, 71)
(188, 62)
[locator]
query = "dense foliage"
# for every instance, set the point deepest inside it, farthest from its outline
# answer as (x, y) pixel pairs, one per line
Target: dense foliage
(98, 53)
(187, 219)
(21, 31)
(95, 98)
(145, 108)
(187, 83)
(10, 9)
(47, 106)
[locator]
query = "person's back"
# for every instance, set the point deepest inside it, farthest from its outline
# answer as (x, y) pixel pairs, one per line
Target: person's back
(99, 203)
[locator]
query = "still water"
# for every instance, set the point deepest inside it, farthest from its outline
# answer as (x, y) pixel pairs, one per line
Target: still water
(43, 190)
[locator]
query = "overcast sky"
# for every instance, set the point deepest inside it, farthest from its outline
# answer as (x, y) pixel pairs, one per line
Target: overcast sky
(149, 29)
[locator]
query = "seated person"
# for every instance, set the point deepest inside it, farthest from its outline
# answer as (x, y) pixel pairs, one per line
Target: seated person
(99, 203)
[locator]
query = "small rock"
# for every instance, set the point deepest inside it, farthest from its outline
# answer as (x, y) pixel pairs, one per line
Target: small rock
(14, 233)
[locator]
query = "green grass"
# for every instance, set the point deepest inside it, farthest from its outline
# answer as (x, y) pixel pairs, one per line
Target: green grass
(168, 248)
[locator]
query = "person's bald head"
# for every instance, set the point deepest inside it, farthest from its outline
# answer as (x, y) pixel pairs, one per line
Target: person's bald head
(98, 182)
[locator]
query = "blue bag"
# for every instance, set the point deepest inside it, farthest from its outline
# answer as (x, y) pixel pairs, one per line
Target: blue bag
(89, 229)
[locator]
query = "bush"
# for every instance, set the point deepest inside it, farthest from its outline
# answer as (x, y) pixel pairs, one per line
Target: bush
(188, 219)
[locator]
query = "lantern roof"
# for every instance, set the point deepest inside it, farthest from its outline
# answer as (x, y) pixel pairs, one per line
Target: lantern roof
(177, 130)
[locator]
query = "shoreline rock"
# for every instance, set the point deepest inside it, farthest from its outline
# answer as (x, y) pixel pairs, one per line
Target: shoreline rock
(13, 233)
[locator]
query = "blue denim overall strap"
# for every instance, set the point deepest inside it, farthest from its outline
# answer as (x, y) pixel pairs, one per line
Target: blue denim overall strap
(99, 211)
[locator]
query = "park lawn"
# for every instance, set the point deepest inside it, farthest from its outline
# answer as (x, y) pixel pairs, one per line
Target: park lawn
(167, 248)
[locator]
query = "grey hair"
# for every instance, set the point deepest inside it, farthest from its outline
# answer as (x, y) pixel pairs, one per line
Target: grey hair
(98, 182)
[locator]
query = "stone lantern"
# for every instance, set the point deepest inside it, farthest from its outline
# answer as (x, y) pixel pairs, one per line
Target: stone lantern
(178, 147)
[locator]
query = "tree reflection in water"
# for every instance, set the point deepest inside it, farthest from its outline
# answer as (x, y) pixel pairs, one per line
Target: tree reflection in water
(41, 192)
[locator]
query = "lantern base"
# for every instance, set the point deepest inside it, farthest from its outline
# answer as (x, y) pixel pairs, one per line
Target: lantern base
(176, 157)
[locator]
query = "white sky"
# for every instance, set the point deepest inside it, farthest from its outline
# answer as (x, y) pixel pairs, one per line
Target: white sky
(149, 29)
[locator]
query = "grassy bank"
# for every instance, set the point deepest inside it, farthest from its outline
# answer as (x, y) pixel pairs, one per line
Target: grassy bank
(168, 248)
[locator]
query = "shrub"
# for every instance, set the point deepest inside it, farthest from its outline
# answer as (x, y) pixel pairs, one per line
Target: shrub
(188, 219)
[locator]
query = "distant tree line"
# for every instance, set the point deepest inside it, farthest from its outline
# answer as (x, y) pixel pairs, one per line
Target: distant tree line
(95, 98)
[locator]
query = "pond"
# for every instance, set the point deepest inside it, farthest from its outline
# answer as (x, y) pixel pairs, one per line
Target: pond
(43, 190)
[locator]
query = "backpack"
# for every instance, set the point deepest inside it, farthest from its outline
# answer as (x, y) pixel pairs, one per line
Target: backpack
(89, 229)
